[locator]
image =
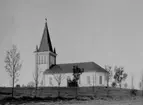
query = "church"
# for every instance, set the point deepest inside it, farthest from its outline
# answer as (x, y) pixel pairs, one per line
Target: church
(52, 74)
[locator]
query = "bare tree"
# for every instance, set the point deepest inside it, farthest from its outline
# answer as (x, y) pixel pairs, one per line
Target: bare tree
(13, 65)
(109, 74)
(141, 83)
(119, 75)
(36, 76)
(59, 78)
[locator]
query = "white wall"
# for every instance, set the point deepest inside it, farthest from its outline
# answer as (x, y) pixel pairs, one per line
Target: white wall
(47, 59)
(94, 79)
(54, 81)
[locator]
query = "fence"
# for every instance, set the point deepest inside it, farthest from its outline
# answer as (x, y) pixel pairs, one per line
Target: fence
(69, 92)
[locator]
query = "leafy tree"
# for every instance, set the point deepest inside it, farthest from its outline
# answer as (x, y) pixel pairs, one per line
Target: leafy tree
(31, 84)
(114, 84)
(18, 85)
(76, 76)
(13, 65)
(109, 74)
(119, 75)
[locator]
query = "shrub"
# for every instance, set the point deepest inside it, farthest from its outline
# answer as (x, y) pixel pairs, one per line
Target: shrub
(18, 86)
(133, 92)
(114, 84)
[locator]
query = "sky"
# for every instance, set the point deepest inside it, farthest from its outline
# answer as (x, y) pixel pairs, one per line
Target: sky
(107, 32)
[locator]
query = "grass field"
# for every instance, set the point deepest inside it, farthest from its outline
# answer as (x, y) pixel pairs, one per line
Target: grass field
(90, 95)
(126, 101)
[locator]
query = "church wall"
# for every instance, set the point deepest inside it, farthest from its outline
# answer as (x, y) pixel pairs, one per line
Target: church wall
(92, 79)
(56, 76)
(43, 60)
(84, 79)
(104, 81)
(43, 63)
(87, 79)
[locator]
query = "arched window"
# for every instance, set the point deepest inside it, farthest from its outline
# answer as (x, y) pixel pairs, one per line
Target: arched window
(41, 59)
(37, 61)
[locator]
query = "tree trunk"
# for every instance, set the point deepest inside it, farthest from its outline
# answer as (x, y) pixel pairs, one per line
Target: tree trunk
(13, 85)
(107, 83)
(76, 92)
(59, 89)
(36, 90)
(12, 91)
(120, 85)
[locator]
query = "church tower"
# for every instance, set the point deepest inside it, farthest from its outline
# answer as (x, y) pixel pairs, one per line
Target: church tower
(45, 55)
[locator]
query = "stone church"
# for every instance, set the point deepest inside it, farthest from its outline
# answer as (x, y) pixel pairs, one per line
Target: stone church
(53, 74)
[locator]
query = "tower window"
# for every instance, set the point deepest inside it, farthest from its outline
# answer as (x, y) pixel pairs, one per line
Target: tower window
(44, 59)
(41, 59)
(38, 59)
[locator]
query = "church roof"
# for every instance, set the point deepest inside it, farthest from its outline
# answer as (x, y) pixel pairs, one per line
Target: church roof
(68, 67)
(45, 44)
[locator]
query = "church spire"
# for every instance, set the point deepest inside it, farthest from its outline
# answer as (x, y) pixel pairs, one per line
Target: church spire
(45, 44)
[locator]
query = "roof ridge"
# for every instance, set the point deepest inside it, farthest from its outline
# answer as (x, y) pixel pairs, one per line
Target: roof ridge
(77, 62)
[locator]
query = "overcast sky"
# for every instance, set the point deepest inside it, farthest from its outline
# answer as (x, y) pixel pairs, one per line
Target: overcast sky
(108, 32)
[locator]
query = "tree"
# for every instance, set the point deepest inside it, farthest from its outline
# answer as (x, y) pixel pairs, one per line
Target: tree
(13, 65)
(114, 84)
(31, 84)
(18, 86)
(119, 75)
(59, 78)
(76, 76)
(109, 74)
(141, 83)
(36, 74)
(36, 77)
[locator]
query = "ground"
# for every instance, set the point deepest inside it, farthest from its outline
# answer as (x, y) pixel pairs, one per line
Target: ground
(132, 101)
